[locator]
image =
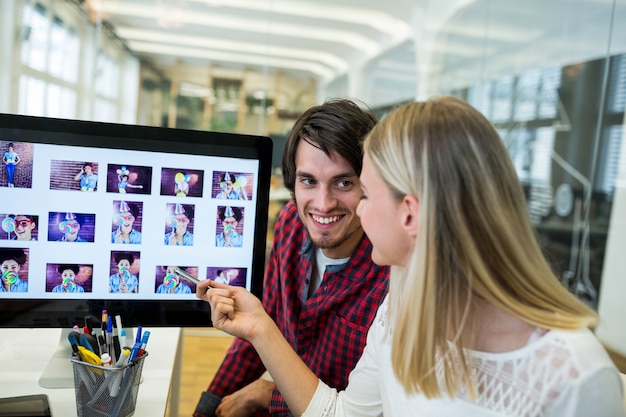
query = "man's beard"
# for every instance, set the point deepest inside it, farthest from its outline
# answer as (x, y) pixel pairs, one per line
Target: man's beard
(325, 243)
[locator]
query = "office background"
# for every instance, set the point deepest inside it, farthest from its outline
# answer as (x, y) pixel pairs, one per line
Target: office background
(550, 74)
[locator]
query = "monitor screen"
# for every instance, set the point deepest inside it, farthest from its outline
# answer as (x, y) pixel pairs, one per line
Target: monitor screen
(126, 218)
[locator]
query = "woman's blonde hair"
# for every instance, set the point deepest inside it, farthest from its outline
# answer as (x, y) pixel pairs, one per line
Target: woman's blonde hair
(475, 238)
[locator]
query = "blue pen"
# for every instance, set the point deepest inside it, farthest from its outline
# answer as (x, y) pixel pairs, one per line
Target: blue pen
(138, 337)
(144, 342)
(134, 353)
(109, 338)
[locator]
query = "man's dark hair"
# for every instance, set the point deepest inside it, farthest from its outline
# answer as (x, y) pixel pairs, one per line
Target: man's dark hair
(338, 125)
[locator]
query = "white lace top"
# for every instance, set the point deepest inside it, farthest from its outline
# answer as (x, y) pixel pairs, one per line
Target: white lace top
(558, 374)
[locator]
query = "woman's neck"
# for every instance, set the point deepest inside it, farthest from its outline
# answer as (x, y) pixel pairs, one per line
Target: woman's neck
(491, 329)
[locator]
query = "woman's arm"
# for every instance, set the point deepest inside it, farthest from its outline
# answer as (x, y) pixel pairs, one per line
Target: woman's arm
(239, 313)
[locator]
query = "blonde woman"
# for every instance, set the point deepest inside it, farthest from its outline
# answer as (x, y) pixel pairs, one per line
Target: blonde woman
(475, 323)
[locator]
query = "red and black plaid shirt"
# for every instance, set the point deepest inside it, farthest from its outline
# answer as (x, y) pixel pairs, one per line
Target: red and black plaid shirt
(328, 330)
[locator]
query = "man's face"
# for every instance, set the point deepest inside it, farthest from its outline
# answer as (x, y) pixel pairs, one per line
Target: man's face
(24, 227)
(327, 192)
(73, 227)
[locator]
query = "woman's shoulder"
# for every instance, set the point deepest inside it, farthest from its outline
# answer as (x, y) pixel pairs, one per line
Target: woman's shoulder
(571, 353)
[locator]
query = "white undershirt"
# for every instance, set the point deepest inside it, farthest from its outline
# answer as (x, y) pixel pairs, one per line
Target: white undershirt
(321, 262)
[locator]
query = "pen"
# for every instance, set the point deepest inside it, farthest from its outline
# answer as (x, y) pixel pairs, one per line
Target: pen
(144, 342)
(109, 336)
(134, 353)
(186, 275)
(138, 335)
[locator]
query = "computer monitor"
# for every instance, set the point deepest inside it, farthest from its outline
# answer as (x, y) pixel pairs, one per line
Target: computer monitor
(100, 216)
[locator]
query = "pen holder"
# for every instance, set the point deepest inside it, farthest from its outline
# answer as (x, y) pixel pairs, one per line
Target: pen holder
(107, 391)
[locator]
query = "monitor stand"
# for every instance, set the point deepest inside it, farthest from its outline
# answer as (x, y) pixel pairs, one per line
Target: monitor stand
(59, 372)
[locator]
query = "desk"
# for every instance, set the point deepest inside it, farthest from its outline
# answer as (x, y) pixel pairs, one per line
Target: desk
(24, 354)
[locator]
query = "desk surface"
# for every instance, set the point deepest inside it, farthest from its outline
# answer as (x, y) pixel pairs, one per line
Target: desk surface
(24, 354)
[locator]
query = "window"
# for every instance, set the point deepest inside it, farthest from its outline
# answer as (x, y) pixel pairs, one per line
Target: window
(50, 59)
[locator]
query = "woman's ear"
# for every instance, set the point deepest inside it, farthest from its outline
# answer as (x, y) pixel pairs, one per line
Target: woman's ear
(411, 210)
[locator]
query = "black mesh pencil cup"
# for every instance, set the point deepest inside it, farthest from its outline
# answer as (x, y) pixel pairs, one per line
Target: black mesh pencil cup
(107, 391)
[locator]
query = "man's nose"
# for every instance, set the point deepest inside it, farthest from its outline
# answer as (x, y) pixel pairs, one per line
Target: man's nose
(325, 199)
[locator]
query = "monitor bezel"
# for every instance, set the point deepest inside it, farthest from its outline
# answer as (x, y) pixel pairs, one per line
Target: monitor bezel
(41, 313)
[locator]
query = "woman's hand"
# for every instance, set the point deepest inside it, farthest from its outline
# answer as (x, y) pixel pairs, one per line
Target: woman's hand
(234, 309)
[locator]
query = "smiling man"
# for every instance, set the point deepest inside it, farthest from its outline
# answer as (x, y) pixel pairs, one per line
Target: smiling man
(320, 287)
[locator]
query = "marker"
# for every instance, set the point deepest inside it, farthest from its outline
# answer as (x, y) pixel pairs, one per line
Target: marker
(117, 349)
(124, 339)
(103, 322)
(114, 385)
(102, 343)
(123, 358)
(118, 324)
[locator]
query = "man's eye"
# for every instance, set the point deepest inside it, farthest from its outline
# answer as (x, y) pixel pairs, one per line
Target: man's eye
(344, 184)
(307, 181)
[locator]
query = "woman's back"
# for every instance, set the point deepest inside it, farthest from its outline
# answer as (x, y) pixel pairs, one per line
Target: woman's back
(561, 373)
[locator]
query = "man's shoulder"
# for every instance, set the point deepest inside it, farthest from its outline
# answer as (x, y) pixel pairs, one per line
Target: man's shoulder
(289, 217)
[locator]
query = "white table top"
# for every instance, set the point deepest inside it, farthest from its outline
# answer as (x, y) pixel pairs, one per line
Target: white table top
(24, 354)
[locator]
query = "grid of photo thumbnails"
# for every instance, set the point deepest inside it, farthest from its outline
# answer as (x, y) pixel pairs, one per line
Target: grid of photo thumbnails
(128, 188)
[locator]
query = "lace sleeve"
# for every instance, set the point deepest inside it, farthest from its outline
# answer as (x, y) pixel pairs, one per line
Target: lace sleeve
(323, 402)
